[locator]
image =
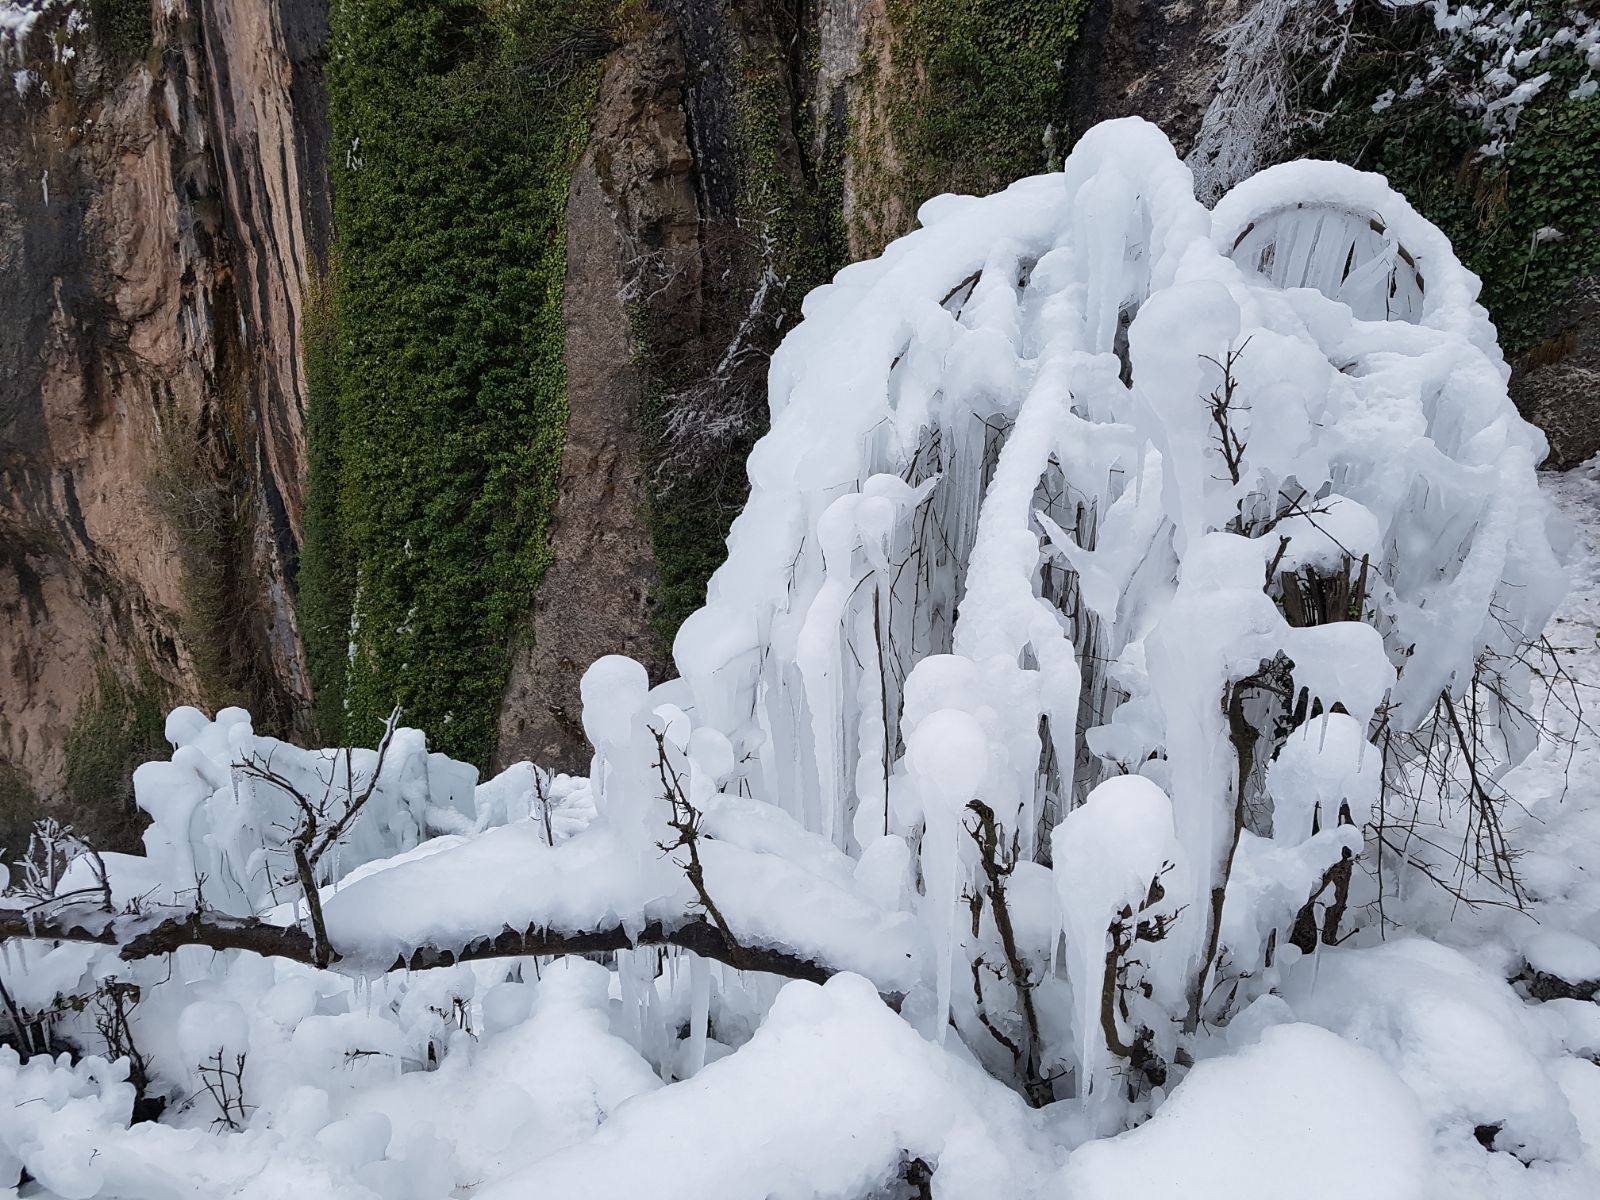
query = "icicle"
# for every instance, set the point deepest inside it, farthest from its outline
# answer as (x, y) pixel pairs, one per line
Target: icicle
(628, 980)
(949, 759)
(699, 1012)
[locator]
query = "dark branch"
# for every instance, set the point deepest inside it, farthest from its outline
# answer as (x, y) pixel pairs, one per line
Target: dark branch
(145, 935)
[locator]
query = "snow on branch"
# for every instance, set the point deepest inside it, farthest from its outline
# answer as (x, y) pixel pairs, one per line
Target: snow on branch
(147, 935)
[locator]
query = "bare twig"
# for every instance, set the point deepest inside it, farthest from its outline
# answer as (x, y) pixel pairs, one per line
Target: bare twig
(686, 821)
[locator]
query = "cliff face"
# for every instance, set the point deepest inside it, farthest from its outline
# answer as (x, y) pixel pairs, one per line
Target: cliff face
(161, 198)
(693, 168)
(632, 195)
(740, 153)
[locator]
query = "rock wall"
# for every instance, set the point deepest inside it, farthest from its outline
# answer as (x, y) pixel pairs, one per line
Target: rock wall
(632, 195)
(684, 221)
(741, 152)
(161, 200)
(1556, 384)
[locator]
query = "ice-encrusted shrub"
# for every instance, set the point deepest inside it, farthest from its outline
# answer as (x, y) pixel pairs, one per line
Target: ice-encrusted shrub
(1049, 489)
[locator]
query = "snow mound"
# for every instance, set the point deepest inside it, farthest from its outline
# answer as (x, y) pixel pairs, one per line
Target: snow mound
(829, 1101)
(1302, 1112)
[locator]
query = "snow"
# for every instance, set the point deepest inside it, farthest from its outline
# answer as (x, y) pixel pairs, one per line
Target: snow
(1300, 1105)
(1563, 955)
(1418, 1005)
(1187, 552)
(1109, 855)
(1324, 766)
(508, 878)
(763, 1124)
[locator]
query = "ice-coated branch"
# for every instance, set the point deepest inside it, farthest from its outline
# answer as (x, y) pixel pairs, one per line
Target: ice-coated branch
(685, 821)
(997, 865)
(146, 935)
(319, 828)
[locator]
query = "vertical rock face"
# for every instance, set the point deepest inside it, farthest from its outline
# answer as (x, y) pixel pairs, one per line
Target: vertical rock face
(631, 196)
(162, 199)
(643, 213)
(1556, 384)
(1155, 59)
(695, 224)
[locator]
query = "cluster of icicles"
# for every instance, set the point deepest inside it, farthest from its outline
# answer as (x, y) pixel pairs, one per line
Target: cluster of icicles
(1036, 481)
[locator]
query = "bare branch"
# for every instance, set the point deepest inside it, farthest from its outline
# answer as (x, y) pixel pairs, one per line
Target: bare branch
(686, 821)
(997, 866)
(145, 935)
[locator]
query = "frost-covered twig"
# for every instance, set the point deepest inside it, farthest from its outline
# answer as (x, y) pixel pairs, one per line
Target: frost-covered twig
(704, 419)
(322, 822)
(1250, 111)
(52, 848)
(685, 820)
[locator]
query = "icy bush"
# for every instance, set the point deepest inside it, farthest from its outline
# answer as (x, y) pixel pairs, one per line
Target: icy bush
(224, 809)
(1082, 480)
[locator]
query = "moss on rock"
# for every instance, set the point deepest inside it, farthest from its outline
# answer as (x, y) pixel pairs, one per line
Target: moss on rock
(1526, 221)
(122, 727)
(456, 126)
(973, 96)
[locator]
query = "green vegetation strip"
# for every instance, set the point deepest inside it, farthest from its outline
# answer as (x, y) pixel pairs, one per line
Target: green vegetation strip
(1492, 209)
(439, 397)
(978, 97)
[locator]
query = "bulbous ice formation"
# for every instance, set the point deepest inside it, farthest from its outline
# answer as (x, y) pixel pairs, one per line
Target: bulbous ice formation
(1120, 480)
(1034, 385)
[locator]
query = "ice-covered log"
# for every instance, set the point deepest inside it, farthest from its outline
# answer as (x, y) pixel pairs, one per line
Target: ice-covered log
(509, 879)
(789, 899)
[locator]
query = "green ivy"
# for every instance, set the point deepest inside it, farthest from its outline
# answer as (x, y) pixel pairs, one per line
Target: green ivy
(456, 125)
(122, 727)
(976, 86)
(325, 586)
(1490, 208)
(122, 28)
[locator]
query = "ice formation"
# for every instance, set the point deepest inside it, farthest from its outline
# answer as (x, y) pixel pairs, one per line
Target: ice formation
(1055, 479)
(1126, 591)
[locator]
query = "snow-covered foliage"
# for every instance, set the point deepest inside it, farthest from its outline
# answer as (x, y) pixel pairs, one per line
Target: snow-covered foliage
(1486, 61)
(224, 810)
(18, 45)
(1492, 60)
(1124, 665)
